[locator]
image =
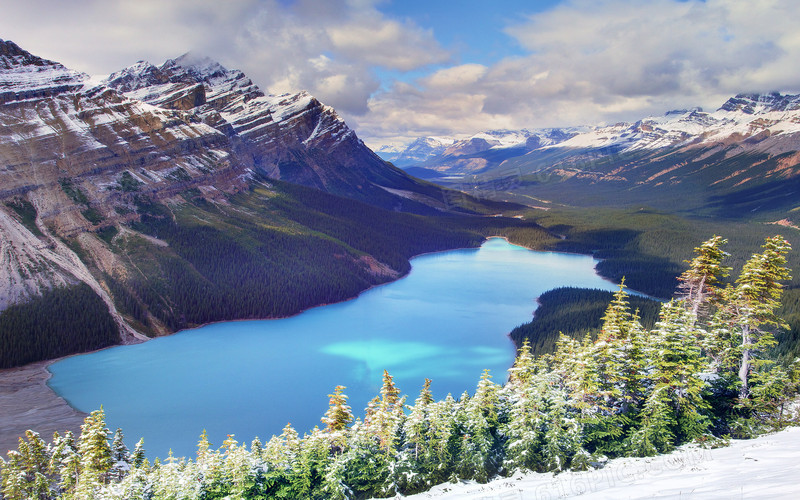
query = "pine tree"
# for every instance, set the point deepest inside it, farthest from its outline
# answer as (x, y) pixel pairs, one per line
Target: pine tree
(339, 415)
(523, 430)
(14, 477)
(655, 434)
(478, 457)
(65, 462)
(700, 283)
(522, 370)
(385, 415)
(138, 458)
(750, 306)
(26, 474)
(417, 425)
(677, 364)
(120, 457)
(618, 365)
(239, 473)
(95, 454)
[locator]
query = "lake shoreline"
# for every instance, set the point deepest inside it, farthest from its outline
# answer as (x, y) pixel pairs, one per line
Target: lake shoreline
(30, 403)
(27, 402)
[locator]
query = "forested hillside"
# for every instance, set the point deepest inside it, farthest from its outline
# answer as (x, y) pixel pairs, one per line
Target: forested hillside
(166, 191)
(575, 312)
(648, 248)
(699, 375)
(270, 251)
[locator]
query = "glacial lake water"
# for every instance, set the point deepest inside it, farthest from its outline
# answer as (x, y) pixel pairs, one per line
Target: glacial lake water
(447, 321)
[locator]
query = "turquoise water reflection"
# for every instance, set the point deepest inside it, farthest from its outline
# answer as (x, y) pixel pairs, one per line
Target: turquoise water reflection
(447, 321)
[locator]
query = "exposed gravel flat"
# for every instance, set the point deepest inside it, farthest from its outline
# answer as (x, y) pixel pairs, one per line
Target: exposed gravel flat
(26, 402)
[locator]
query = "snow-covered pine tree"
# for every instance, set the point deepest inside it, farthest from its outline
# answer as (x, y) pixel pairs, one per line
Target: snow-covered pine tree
(138, 457)
(65, 462)
(478, 456)
(210, 466)
(120, 457)
(677, 365)
(308, 470)
(27, 472)
(700, 283)
(752, 303)
(95, 455)
(240, 472)
(337, 418)
(655, 433)
(14, 477)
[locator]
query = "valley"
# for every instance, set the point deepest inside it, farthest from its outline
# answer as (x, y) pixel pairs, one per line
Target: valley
(165, 198)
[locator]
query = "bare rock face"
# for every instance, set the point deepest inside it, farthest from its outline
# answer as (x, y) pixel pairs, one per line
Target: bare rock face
(292, 137)
(25, 76)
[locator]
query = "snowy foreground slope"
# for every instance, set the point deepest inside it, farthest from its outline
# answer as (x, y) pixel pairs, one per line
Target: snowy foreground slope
(766, 467)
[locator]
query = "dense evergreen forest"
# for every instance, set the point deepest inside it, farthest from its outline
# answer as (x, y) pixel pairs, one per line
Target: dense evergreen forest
(649, 247)
(61, 321)
(699, 375)
(274, 252)
(575, 312)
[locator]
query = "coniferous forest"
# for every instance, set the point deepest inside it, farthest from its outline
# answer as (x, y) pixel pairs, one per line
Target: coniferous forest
(269, 252)
(60, 322)
(700, 375)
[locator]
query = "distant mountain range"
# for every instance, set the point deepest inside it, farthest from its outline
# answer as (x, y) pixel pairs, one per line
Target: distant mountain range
(746, 154)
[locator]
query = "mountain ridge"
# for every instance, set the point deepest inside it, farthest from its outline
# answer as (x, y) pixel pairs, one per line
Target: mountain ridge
(742, 158)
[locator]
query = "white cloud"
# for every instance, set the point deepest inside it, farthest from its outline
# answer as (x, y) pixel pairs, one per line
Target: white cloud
(584, 61)
(372, 40)
(607, 60)
(329, 47)
(455, 77)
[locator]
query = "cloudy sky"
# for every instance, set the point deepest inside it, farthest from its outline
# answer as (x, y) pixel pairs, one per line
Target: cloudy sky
(399, 69)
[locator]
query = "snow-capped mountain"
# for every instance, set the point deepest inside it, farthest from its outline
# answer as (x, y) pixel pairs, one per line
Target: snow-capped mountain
(28, 76)
(756, 117)
(417, 152)
(474, 153)
(291, 137)
(741, 158)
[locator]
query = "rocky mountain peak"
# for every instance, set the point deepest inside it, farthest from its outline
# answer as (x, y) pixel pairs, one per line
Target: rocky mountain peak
(139, 75)
(24, 76)
(198, 67)
(761, 103)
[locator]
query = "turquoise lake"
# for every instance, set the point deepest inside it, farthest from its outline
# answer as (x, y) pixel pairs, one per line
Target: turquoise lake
(447, 321)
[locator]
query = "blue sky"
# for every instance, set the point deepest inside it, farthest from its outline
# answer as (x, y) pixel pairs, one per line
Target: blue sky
(400, 69)
(471, 28)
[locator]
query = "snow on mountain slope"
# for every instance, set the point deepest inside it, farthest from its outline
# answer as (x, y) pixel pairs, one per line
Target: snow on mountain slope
(761, 468)
(292, 137)
(24, 76)
(766, 123)
(741, 117)
(417, 152)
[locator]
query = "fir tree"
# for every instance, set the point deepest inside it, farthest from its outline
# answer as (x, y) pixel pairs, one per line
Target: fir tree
(120, 457)
(26, 474)
(700, 283)
(339, 415)
(677, 364)
(138, 458)
(750, 305)
(65, 462)
(95, 454)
